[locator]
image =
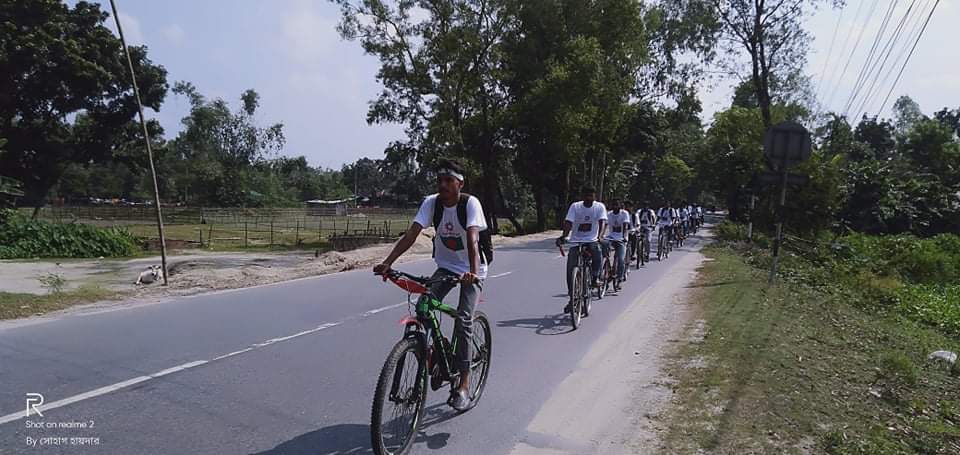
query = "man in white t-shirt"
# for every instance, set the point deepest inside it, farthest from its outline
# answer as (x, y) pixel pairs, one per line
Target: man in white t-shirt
(587, 220)
(457, 253)
(646, 220)
(619, 224)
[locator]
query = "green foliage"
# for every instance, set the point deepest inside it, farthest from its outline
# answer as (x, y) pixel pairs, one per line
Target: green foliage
(21, 237)
(57, 63)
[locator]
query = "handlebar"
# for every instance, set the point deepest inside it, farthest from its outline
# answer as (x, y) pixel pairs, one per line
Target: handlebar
(426, 281)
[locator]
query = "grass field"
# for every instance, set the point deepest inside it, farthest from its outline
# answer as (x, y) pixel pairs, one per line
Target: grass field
(796, 368)
(240, 228)
(14, 305)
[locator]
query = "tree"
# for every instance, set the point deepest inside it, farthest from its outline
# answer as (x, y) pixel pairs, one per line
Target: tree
(222, 149)
(906, 114)
(65, 92)
(441, 78)
(769, 34)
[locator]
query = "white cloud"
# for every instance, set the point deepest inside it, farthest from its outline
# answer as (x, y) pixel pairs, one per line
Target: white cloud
(175, 34)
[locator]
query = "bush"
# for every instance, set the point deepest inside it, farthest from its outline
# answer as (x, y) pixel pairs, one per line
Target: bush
(21, 237)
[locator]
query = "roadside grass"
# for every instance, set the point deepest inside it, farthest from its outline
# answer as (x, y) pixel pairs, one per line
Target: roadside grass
(800, 368)
(16, 305)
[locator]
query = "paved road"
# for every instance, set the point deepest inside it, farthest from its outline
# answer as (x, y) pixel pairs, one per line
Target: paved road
(288, 368)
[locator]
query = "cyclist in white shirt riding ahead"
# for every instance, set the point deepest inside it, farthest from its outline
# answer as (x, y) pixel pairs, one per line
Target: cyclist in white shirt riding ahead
(619, 225)
(587, 219)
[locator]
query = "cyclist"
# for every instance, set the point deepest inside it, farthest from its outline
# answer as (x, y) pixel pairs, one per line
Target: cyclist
(646, 220)
(587, 219)
(668, 217)
(457, 253)
(684, 220)
(619, 221)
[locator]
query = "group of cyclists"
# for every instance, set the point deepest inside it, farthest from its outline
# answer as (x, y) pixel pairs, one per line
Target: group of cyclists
(459, 249)
(624, 231)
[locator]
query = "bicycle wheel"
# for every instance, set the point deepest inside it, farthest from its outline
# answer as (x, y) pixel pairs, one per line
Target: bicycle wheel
(660, 246)
(480, 364)
(399, 399)
(586, 300)
(604, 279)
(576, 297)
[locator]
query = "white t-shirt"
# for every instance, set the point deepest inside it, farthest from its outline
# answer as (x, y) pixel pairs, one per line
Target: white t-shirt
(619, 224)
(646, 217)
(586, 221)
(668, 216)
(450, 243)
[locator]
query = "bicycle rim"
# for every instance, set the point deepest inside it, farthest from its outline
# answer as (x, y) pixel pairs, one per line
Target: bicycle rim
(480, 364)
(399, 399)
(576, 297)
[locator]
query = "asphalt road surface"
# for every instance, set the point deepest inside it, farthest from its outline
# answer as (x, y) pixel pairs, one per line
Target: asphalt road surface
(288, 368)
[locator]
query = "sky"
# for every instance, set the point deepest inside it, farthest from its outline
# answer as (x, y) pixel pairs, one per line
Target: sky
(319, 86)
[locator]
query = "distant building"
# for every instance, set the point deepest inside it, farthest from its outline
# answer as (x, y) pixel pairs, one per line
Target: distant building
(317, 207)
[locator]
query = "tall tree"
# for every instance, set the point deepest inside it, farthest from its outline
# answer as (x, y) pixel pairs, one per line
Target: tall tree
(761, 41)
(221, 149)
(440, 71)
(65, 92)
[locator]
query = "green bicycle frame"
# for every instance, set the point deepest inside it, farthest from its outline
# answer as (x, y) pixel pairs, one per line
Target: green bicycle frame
(426, 307)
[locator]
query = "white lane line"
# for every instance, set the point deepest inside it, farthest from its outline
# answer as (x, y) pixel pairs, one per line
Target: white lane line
(382, 309)
(140, 379)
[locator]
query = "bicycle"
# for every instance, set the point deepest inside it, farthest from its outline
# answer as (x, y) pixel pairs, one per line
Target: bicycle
(432, 357)
(664, 242)
(580, 300)
(609, 274)
(644, 247)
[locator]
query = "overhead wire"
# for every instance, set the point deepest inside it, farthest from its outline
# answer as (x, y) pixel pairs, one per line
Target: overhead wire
(843, 73)
(878, 64)
(872, 95)
(905, 62)
(877, 39)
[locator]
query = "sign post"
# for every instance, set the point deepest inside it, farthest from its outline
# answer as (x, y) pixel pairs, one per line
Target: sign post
(785, 144)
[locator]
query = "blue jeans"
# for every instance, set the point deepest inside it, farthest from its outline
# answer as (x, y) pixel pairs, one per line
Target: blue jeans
(619, 252)
(573, 258)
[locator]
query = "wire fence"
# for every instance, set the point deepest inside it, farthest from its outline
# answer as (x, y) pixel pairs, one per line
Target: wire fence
(239, 227)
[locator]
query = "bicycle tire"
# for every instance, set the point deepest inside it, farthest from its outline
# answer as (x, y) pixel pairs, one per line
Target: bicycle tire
(575, 298)
(586, 300)
(481, 324)
(384, 384)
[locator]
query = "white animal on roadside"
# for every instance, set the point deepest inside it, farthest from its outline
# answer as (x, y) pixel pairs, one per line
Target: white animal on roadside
(152, 274)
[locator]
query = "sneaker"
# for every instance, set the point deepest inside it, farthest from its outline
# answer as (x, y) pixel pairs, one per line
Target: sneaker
(568, 308)
(459, 400)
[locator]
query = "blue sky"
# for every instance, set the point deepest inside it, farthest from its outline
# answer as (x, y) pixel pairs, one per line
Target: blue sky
(319, 86)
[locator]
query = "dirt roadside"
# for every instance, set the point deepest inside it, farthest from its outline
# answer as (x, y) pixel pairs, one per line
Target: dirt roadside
(198, 272)
(611, 403)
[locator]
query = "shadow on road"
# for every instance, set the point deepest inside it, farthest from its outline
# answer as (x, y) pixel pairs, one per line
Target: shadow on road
(555, 324)
(352, 438)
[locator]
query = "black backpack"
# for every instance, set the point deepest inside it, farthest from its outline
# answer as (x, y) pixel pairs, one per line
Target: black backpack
(485, 241)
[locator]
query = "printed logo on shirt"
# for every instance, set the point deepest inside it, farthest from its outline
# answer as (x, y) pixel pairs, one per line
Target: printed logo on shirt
(585, 227)
(454, 243)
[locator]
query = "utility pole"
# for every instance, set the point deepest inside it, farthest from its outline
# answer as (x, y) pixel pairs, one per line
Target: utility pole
(146, 138)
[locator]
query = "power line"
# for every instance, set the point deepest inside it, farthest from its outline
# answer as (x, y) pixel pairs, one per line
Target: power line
(847, 65)
(826, 63)
(914, 32)
(885, 52)
(895, 81)
(873, 48)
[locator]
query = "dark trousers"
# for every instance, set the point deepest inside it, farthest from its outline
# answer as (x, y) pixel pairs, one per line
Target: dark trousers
(463, 326)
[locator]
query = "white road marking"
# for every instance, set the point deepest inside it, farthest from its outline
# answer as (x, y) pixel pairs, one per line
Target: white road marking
(140, 379)
(382, 309)
(501, 274)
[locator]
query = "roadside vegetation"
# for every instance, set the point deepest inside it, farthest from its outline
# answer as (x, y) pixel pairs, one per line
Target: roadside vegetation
(22, 237)
(832, 359)
(15, 305)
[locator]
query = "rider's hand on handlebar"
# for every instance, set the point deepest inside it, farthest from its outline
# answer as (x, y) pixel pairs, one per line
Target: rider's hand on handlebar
(469, 278)
(381, 269)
